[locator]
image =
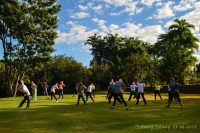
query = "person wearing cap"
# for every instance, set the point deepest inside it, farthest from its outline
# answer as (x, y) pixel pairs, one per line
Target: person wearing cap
(174, 87)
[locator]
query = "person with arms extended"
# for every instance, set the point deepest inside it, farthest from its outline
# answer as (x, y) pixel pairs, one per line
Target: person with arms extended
(112, 94)
(118, 92)
(174, 92)
(23, 88)
(169, 93)
(157, 90)
(53, 88)
(89, 91)
(60, 89)
(81, 89)
(133, 91)
(141, 87)
(34, 90)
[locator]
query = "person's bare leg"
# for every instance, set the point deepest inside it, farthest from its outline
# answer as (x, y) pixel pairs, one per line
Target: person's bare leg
(168, 104)
(181, 104)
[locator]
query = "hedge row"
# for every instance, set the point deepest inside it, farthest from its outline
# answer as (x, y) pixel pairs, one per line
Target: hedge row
(187, 89)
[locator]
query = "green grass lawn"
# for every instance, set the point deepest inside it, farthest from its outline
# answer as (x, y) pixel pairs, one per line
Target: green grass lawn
(66, 117)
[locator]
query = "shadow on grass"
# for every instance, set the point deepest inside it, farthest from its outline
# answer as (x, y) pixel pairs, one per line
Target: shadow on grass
(52, 117)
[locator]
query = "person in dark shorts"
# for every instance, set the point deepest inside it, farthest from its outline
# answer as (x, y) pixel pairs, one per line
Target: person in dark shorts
(174, 92)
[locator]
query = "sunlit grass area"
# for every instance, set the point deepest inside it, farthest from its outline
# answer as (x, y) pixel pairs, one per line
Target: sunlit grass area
(66, 117)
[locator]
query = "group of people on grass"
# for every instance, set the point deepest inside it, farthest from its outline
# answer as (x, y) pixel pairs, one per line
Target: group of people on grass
(137, 90)
(79, 88)
(114, 90)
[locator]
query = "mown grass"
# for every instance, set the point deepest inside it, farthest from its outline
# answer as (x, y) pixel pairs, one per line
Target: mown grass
(66, 117)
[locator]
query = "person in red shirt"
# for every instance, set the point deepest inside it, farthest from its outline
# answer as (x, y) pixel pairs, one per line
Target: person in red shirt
(60, 89)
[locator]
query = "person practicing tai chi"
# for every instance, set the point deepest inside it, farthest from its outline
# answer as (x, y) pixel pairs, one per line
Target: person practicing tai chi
(75, 89)
(45, 89)
(157, 90)
(60, 89)
(133, 91)
(169, 93)
(174, 92)
(23, 88)
(109, 88)
(112, 94)
(53, 88)
(118, 92)
(89, 91)
(141, 87)
(93, 90)
(81, 89)
(34, 90)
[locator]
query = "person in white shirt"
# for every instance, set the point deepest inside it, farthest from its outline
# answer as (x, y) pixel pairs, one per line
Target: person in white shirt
(23, 88)
(53, 88)
(133, 91)
(89, 91)
(141, 87)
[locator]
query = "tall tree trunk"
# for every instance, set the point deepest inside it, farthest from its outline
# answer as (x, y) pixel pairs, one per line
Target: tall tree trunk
(16, 86)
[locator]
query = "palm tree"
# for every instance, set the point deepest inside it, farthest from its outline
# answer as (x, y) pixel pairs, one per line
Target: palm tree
(113, 46)
(180, 34)
(97, 48)
(179, 45)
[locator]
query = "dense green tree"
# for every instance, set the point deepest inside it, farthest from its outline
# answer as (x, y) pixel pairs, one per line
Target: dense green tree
(101, 75)
(177, 47)
(114, 44)
(68, 70)
(97, 49)
(27, 36)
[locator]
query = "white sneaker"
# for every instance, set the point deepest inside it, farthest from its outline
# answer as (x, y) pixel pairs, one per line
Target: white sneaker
(56, 101)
